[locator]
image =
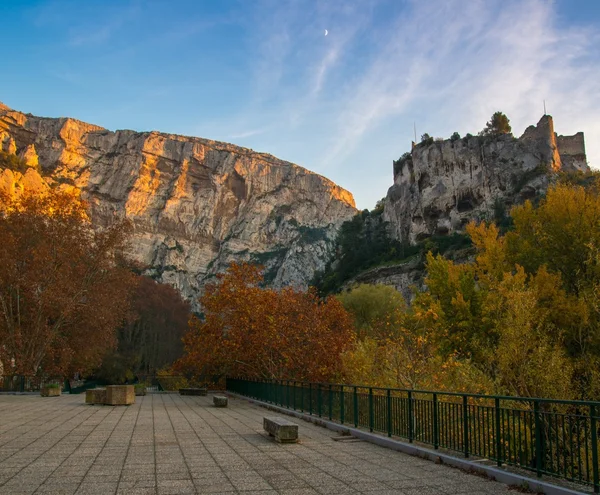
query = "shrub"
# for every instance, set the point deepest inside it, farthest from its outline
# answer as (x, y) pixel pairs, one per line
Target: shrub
(426, 139)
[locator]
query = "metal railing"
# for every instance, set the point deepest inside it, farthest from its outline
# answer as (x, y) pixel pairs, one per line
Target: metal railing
(22, 383)
(557, 438)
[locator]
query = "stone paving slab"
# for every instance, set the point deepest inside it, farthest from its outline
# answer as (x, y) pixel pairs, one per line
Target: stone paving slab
(169, 444)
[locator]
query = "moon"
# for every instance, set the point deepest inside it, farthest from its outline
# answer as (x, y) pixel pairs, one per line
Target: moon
(326, 32)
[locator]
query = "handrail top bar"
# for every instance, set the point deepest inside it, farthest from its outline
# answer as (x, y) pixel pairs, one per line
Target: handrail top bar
(437, 392)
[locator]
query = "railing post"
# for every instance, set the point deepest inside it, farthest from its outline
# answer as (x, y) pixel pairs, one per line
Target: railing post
(294, 396)
(319, 400)
(355, 399)
(330, 402)
(371, 419)
(538, 438)
(389, 412)
(498, 438)
(22, 385)
(310, 398)
(466, 425)
(594, 431)
(436, 426)
(341, 404)
(411, 419)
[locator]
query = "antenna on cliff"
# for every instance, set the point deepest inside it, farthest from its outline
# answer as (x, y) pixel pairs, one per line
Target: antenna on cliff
(545, 108)
(415, 129)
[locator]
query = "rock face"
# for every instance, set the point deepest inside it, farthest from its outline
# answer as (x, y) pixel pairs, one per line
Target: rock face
(196, 205)
(442, 185)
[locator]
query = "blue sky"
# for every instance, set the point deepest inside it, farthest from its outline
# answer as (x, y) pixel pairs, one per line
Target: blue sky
(262, 74)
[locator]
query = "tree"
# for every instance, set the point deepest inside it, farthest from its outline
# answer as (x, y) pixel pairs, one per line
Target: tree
(510, 324)
(497, 125)
(373, 307)
(264, 333)
(63, 288)
(150, 338)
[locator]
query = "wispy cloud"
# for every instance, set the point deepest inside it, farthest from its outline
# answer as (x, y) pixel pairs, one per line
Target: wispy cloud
(246, 134)
(448, 65)
(100, 31)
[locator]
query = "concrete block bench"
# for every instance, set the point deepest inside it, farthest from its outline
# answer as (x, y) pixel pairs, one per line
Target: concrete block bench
(120, 395)
(193, 391)
(283, 430)
(50, 391)
(95, 396)
(220, 401)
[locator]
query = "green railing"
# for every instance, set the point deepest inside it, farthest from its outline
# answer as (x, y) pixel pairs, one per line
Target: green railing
(23, 383)
(557, 438)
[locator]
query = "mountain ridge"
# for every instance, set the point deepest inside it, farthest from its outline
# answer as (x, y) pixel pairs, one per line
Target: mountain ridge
(195, 204)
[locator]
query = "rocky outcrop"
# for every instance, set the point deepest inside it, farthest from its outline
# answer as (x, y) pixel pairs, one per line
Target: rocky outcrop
(405, 277)
(196, 205)
(442, 185)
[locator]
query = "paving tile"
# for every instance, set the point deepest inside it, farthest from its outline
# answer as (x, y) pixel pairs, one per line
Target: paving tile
(167, 444)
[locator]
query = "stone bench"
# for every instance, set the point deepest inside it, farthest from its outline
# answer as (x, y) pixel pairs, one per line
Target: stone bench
(95, 396)
(120, 395)
(283, 430)
(192, 391)
(220, 401)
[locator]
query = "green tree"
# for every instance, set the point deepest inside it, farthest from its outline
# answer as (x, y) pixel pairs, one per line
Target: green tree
(372, 306)
(497, 125)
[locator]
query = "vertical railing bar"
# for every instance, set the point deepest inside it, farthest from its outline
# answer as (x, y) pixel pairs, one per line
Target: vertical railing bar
(436, 431)
(342, 412)
(538, 438)
(389, 415)
(594, 431)
(587, 451)
(355, 400)
(371, 418)
(466, 425)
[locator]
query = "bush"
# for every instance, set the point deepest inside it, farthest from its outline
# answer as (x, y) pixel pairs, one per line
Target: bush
(16, 164)
(455, 137)
(426, 139)
(399, 164)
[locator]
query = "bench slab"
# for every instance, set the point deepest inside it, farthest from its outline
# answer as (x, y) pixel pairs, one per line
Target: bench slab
(120, 395)
(220, 400)
(95, 396)
(281, 429)
(192, 391)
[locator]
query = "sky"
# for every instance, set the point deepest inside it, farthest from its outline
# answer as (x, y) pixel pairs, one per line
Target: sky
(263, 74)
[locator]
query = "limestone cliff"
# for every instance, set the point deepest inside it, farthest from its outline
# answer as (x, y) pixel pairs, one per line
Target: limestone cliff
(442, 185)
(196, 205)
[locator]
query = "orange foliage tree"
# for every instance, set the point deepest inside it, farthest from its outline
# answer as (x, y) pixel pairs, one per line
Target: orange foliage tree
(256, 332)
(63, 292)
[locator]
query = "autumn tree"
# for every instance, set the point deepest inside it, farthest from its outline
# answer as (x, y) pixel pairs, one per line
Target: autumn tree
(397, 345)
(373, 307)
(510, 324)
(63, 291)
(150, 338)
(497, 125)
(265, 333)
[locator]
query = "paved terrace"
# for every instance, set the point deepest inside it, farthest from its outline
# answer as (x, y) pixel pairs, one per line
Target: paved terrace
(171, 444)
